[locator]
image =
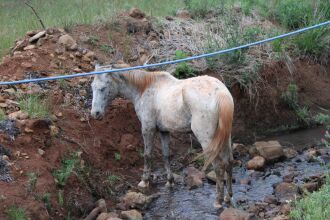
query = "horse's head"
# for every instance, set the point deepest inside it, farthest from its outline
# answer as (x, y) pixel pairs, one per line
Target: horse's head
(105, 89)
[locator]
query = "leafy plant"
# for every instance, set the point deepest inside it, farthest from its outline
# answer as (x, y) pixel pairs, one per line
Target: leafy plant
(113, 178)
(61, 175)
(315, 205)
(290, 96)
(117, 156)
(3, 115)
(34, 105)
(303, 115)
(60, 198)
(323, 119)
(33, 177)
(46, 200)
(15, 213)
(183, 70)
(93, 40)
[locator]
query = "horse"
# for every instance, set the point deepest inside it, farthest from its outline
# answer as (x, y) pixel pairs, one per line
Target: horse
(164, 104)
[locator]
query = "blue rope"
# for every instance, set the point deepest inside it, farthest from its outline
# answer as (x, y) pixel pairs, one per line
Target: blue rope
(168, 62)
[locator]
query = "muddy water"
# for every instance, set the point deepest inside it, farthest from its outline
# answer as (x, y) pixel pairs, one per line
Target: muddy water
(181, 203)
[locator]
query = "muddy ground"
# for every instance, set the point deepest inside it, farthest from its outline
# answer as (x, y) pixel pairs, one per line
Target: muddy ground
(43, 143)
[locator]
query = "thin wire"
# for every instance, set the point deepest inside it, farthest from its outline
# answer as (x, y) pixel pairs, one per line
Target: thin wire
(168, 62)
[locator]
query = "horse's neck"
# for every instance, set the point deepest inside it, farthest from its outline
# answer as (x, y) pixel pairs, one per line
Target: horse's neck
(135, 85)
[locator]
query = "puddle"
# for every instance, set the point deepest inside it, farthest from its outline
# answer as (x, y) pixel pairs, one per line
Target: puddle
(181, 203)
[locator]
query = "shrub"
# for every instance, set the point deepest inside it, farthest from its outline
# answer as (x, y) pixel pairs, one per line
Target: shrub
(182, 70)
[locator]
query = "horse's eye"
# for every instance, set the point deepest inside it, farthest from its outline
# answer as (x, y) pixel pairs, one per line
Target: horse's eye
(103, 89)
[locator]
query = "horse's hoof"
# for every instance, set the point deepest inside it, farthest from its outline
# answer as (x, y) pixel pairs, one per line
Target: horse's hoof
(227, 199)
(169, 184)
(143, 184)
(217, 205)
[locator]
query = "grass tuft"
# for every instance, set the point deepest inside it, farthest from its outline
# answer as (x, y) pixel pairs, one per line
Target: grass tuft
(34, 105)
(68, 164)
(15, 213)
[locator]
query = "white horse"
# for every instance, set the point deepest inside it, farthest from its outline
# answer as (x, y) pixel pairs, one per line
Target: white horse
(165, 104)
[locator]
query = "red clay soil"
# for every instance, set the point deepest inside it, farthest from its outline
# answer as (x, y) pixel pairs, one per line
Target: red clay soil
(119, 132)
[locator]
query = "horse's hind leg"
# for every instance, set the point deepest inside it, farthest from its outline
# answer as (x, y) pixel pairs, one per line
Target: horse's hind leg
(165, 140)
(229, 171)
(219, 170)
(148, 138)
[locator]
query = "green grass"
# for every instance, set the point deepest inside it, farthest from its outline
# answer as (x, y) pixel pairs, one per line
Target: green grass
(182, 70)
(34, 105)
(117, 156)
(3, 115)
(15, 213)
(32, 182)
(60, 197)
(64, 172)
(315, 206)
(323, 119)
(112, 178)
(16, 18)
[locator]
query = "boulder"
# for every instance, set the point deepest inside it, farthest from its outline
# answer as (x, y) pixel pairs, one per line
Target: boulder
(136, 13)
(290, 153)
(136, 200)
(236, 214)
(194, 177)
(131, 215)
(68, 42)
(19, 115)
(286, 191)
(270, 150)
(37, 36)
(256, 163)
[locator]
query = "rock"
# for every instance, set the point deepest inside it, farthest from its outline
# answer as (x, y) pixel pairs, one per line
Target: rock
(286, 191)
(10, 91)
(257, 163)
(136, 200)
(3, 105)
(184, 14)
(271, 150)
(131, 215)
(54, 131)
(68, 42)
(240, 150)
(285, 209)
(289, 177)
(270, 199)
(77, 70)
(310, 155)
(41, 152)
(19, 115)
(281, 217)
(136, 13)
(310, 187)
(107, 216)
(290, 153)
(90, 55)
(236, 214)
(245, 181)
(194, 177)
(26, 65)
(211, 176)
(102, 204)
(29, 47)
(37, 36)
(178, 178)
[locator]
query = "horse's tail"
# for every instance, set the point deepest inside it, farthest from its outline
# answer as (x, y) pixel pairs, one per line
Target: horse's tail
(222, 133)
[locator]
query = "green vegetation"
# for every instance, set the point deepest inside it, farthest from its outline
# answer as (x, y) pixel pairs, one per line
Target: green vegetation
(16, 18)
(112, 178)
(60, 198)
(117, 156)
(34, 105)
(323, 119)
(314, 206)
(3, 115)
(182, 70)
(32, 182)
(199, 9)
(64, 172)
(15, 213)
(290, 96)
(46, 200)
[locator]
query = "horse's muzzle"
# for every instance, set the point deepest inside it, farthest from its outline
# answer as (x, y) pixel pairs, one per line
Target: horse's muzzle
(97, 115)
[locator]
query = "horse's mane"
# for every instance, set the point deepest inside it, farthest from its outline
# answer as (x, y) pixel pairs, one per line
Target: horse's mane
(143, 79)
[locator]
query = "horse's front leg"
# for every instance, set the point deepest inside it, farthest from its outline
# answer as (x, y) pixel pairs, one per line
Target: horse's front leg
(148, 138)
(165, 140)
